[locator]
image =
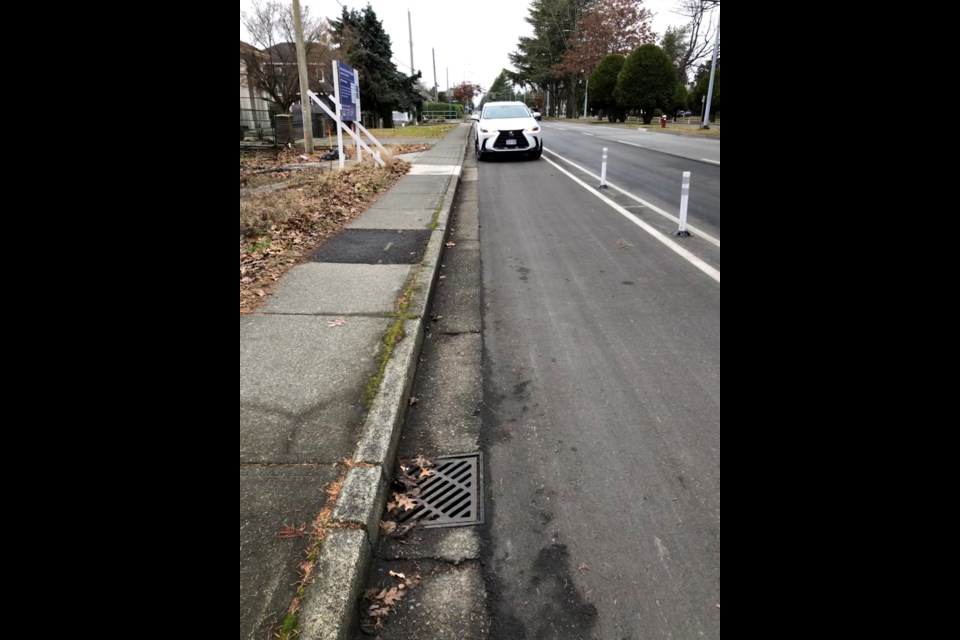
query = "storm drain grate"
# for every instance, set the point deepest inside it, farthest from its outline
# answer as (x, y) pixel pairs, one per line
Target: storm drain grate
(453, 496)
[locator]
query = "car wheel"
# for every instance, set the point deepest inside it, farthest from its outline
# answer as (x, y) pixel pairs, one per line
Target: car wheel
(481, 156)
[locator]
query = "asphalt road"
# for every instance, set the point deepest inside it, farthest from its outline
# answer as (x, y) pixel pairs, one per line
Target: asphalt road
(601, 406)
(649, 164)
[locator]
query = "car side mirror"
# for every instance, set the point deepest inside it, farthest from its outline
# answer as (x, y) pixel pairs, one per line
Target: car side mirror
(475, 116)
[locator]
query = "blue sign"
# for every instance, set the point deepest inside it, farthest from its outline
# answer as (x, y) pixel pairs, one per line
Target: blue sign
(349, 91)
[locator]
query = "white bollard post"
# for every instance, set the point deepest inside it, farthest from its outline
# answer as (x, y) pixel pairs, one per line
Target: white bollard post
(603, 171)
(684, 196)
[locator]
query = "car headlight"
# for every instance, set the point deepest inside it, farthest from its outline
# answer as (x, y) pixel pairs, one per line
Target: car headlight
(482, 130)
(532, 129)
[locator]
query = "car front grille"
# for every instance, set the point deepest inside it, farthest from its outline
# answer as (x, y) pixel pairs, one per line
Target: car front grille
(501, 141)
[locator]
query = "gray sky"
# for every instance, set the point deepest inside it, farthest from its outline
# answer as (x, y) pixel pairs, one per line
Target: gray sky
(471, 39)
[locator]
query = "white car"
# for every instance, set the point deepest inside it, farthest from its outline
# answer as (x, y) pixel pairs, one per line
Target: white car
(506, 127)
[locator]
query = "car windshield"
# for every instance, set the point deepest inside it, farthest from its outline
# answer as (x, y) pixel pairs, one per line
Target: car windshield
(505, 111)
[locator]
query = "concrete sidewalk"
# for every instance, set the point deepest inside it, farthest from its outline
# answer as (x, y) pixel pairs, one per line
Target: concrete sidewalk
(306, 364)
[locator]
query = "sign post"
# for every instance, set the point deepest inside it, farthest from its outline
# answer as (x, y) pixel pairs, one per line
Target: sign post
(346, 86)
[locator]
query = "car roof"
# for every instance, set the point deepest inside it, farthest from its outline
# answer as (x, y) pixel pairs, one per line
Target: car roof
(503, 102)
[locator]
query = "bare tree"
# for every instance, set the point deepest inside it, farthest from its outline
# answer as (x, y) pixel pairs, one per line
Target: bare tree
(273, 67)
(699, 32)
(608, 26)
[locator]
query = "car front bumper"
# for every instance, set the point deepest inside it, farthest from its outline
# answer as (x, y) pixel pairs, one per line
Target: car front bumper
(508, 141)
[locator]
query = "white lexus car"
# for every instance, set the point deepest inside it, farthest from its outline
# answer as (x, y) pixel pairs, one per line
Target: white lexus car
(506, 127)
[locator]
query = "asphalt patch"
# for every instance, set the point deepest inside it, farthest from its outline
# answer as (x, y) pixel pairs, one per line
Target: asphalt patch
(374, 246)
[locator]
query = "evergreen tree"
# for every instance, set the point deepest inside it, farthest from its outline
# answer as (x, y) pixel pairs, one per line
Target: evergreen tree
(603, 82)
(647, 81)
(366, 47)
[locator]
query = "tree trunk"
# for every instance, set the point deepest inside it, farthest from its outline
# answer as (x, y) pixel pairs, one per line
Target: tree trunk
(571, 97)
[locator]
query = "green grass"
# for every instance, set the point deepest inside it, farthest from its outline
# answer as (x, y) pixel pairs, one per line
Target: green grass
(290, 628)
(679, 127)
(414, 131)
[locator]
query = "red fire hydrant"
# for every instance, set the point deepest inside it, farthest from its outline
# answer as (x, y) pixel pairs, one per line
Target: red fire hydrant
(663, 121)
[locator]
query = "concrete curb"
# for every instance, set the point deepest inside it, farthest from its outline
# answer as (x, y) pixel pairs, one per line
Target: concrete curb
(329, 609)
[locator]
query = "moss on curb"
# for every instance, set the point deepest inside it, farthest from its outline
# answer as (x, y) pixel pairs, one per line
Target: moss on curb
(290, 628)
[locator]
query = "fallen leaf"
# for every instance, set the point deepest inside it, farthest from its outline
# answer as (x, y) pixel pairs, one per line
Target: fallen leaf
(339, 322)
(398, 575)
(388, 526)
(422, 462)
(450, 244)
(426, 473)
(392, 596)
(584, 566)
(406, 503)
(414, 400)
(288, 532)
(260, 293)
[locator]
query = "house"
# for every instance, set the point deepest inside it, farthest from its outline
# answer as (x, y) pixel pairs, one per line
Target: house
(254, 105)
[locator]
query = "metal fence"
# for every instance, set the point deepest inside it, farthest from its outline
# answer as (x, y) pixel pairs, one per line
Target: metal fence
(440, 115)
(260, 126)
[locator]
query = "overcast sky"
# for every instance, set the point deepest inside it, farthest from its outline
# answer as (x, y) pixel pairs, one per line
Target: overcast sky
(471, 38)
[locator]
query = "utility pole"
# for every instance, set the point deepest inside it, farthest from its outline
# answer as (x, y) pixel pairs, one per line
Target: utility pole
(585, 89)
(436, 97)
(705, 124)
(448, 85)
(304, 82)
(410, 27)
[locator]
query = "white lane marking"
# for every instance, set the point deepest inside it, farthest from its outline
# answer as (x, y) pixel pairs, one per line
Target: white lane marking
(632, 144)
(560, 128)
(652, 207)
(709, 160)
(670, 244)
(587, 134)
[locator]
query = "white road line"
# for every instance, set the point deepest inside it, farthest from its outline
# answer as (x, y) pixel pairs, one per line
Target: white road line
(652, 207)
(709, 160)
(559, 128)
(670, 244)
(632, 144)
(587, 134)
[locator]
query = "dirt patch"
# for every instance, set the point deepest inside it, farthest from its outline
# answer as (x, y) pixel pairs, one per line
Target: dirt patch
(286, 213)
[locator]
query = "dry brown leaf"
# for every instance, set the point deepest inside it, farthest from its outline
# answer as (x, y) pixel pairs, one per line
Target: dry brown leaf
(339, 322)
(388, 526)
(426, 473)
(392, 596)
(396, 574)
(288, 532)
(584, 566)
(406, 503)
(422, 462)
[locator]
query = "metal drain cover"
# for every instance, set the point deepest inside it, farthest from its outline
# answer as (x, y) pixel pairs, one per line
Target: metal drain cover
(453, 496)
